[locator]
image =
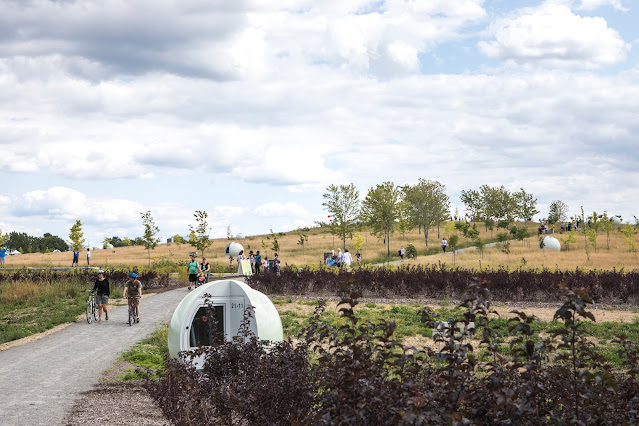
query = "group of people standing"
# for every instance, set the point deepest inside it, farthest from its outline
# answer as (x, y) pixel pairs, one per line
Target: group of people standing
(257, 263)
(76, 256)
(198, 272)
(342, 259)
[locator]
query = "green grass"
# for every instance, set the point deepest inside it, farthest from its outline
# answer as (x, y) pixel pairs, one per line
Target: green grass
(28, 308)
(147, 355)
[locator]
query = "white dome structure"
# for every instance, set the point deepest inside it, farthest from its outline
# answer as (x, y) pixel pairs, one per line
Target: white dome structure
(233, 249)
(550, 243)
(616, 220)
(239, 236)
(228, 299)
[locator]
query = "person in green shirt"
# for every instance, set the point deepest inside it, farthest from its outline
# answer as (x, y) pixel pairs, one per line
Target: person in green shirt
(194, 268)
(133, 291)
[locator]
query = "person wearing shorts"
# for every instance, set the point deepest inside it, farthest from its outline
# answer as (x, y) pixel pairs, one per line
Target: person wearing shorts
(3, 255)
(133, 288)
(194, 268)
(103, 291)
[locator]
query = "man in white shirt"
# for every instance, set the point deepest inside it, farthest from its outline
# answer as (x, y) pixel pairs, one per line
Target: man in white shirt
(347, 259)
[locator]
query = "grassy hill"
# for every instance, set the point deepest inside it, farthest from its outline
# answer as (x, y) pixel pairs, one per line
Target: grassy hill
(614, 254)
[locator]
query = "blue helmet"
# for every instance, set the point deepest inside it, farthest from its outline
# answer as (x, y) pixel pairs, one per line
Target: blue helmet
(133, 275)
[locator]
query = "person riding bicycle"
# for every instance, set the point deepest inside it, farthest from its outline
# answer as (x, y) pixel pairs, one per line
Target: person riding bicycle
(133, 287)
(103, 290)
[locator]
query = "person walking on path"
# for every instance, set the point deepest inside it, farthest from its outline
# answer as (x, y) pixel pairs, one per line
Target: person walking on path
(402, 251)
(103, 291)
(358, 257)
(76, 255)
(88, 257)
(205, 267)
(193, 268)
(444, 244)
(3, 255)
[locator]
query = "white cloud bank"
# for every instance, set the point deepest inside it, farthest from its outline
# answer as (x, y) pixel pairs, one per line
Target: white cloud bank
(552, 35)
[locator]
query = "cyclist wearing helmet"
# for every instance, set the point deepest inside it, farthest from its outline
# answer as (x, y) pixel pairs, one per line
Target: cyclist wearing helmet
(102, 297)
(133, 288)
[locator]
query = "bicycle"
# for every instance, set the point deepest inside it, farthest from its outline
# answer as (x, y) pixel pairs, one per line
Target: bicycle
(133, 317)
(91, 307)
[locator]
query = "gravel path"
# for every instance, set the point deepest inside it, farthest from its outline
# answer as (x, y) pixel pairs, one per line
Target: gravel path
(39, 381)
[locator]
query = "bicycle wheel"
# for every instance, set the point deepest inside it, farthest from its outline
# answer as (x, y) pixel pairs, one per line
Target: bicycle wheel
(94, 309)
(131, 313)
(89, 313)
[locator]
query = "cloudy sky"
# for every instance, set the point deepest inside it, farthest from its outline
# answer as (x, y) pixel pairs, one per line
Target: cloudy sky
(249, 109)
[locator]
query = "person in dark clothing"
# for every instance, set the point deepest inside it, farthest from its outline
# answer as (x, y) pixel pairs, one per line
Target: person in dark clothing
(103, 291)
(258, 262)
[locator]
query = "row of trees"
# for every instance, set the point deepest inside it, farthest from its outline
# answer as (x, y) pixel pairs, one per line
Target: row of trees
(26, 243)
(198, 237)
(425, 205)
(490, 204)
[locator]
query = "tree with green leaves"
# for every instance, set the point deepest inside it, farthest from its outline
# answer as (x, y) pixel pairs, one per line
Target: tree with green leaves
(558, 212)
(342, 202)
(606, 226)
(426, 204)
(526, 205)
(76, 236)
(178, 239)
(474, 205)
(150, 232)
(380, 210)
(3, 238)
(276, 244)
(199, 236)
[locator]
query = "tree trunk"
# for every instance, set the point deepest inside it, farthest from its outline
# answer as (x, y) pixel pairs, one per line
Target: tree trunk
(426, 236)
(438, 236)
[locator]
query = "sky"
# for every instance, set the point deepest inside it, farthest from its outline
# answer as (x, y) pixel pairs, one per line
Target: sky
(248, 110)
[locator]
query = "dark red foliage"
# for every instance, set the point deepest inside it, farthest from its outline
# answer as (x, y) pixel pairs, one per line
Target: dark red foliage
(358, 373)
(439, 282)
(150, 279)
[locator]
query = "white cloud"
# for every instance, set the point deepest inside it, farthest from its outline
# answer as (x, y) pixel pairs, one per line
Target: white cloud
(594, 4)
(277, 209)
(551, 34)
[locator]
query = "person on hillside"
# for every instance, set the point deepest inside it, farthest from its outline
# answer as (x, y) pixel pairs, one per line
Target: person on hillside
(252, 261)
(205, 268)
(358, 258)
(133, 290)
(240, 258)
(88, 257)
(103, 291)
(444, 244)
(276, 264)
(348, 259)
(258, 262)
(3, 255)
(76, 255)
(402, 252)
(193, 268)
